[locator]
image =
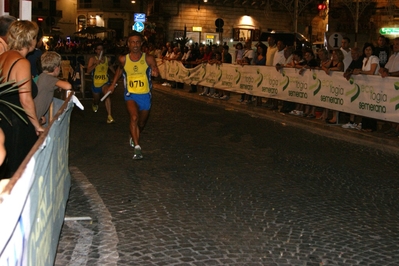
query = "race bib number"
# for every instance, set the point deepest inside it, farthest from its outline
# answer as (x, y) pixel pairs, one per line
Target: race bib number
(100, 80)
(137, 84)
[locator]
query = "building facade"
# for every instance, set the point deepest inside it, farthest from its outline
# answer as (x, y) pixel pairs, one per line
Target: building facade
(219, 20)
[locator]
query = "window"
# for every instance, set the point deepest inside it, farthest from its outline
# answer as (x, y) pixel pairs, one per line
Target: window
(84, 3)
(81, 22)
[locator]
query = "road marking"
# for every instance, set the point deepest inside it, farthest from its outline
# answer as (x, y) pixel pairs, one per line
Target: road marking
(82, 248)
(108, 237)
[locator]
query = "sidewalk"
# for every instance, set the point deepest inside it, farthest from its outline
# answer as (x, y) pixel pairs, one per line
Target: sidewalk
(375, 139)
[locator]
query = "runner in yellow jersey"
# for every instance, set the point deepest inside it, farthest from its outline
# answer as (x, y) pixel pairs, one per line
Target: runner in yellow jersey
(137, 68)
(98, 67)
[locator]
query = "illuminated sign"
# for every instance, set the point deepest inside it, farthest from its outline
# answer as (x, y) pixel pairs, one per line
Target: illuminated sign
(138, 26)
(210, 36)
(389, 30)
(139, 17)
(197, 28)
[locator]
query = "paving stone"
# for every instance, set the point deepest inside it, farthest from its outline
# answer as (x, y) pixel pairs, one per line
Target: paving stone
(220, 187)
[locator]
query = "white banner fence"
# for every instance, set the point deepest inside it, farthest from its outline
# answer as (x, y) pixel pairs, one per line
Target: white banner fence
(364, 95)
(33, 205)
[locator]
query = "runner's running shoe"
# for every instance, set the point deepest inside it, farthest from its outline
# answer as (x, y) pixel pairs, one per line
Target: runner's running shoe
(137, 153)
(110, 120)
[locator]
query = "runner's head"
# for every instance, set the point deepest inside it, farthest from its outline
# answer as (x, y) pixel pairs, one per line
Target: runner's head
(135, 41)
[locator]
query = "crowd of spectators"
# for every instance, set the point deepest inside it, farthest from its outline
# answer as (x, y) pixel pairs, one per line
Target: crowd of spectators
(369, 60)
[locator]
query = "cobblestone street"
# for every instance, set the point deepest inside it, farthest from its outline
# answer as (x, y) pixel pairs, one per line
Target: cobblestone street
(222, 186)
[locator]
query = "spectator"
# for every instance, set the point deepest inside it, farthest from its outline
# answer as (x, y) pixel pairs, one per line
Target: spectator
(239, 53)
(205, 59)
(345, 49)
(288, 57)
(392, 69)
(176, 55)
(168, 56)
(336, 64)
(357, 63)
(249, 54)
(324, 61)
(193, 55)
(247, 59)
(5, 22)
(226, 59)
(259, 60)
(371, 66)
(382, 50)
(20, 134)
(271, 50)
(47, 82)
(34, 57)
(218, 61)
(280, 56)
(297, 62)
(310, 63)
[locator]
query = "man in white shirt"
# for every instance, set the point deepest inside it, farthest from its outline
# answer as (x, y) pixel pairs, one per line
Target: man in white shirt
(279, 57)
(392, 66)
(346, 51)
(392, 69)
(249, 53)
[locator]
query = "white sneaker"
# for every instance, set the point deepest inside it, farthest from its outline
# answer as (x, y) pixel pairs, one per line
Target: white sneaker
(349, 125)
(359, 126)
(137, 153)
(296, 112)
(165, 84)
(224, 97)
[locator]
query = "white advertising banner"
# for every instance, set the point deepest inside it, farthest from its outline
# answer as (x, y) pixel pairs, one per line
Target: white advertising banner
(364, 95)
(32, 212)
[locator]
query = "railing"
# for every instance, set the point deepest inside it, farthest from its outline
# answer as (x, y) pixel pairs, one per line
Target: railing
(364, 95)
(32, 206)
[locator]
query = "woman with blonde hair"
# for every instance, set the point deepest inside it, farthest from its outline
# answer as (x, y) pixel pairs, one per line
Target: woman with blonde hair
(21, 130)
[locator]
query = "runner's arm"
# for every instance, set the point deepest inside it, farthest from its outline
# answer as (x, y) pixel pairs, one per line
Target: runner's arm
(91, 65)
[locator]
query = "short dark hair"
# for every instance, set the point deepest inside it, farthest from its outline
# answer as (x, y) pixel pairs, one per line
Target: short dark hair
(368, 44)
(5, 22)
(135, 33)
(347, 38)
